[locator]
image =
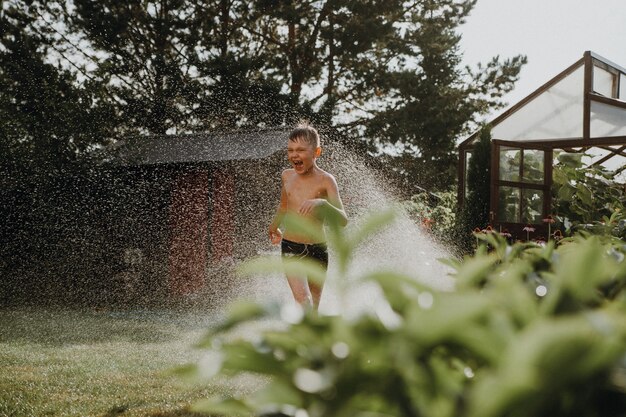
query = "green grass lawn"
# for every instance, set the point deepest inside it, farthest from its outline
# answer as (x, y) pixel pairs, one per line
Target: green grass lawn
(98, 363)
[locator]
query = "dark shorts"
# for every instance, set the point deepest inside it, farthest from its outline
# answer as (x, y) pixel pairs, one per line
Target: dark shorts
(315, 251)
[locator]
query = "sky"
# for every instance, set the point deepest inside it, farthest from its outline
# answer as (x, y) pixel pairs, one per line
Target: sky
(553, 34)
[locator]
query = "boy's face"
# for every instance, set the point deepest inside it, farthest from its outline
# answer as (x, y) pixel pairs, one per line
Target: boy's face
(302, 155)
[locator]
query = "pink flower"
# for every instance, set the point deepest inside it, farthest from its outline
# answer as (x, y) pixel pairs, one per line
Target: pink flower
(427, 222)
(528, 229)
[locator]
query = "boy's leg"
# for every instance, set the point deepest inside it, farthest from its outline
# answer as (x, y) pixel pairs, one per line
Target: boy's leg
(300, 290)
(318, 253)
(316, 293)
(298, 285)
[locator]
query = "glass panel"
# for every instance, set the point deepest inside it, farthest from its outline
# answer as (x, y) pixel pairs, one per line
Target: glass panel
(603, 82)
(607, 120)
(508, 204)
(468, 156)
(532, 206)
(533, 166)
(556, 113)
(510, 159)
(622, 87)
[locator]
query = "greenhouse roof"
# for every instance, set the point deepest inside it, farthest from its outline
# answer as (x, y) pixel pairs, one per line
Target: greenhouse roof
(585, 105)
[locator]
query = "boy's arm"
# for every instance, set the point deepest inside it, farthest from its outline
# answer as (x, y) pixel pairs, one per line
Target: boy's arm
(334, 203)
(274, 232)
(331, 206)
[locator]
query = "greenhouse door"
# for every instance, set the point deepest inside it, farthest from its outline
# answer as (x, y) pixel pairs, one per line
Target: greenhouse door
(521, 178)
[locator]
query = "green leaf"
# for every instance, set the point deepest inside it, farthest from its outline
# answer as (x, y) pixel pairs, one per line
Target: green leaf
(451, 262)
(584, 193)
(304, 227)
(222, 406)
(187, 372)
(547, 359)
(277, 393)
(474, 271)
(372, 224)
(455, 316)
(289, 266)
(398, 289)
(585, 266)
(572, 160)
(243, 356)
(566, 192)
(238, 312)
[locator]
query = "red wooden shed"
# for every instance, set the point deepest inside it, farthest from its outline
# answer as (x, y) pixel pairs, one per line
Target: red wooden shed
(204, 167)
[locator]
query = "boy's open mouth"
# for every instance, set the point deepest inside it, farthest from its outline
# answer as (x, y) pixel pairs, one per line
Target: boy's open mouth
(297, 164)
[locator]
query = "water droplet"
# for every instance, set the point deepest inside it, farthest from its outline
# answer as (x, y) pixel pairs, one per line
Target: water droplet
(301, 413)
(291, 313)
(280, 355)
(389, 318)
(308, 380)
(425, 300)
(210, 364)
(541, 290)
(341, 350)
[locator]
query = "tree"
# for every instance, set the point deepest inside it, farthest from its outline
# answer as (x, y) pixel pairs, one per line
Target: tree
(475, 211)
(386, 72)
(326, 53)
(47, 119)
(173, 65)
(435, 101)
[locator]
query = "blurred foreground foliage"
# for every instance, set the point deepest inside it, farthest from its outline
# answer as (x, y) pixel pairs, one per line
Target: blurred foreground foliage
(529, 330)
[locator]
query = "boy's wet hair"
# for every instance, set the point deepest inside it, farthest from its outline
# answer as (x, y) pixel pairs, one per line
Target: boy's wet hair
(307, 133)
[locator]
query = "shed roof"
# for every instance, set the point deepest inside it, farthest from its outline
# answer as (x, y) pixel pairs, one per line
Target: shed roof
(201, 147)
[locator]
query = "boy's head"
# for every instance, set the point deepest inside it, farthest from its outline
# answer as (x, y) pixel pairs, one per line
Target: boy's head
(303, 148)
(305, 133)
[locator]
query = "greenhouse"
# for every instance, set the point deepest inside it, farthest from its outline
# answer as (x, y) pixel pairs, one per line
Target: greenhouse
(582, 110)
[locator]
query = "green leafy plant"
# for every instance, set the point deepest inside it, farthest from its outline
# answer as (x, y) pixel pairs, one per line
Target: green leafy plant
(529, 330)
(583, 194)
(436, 212)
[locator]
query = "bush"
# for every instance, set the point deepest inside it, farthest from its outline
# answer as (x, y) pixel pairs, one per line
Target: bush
(528, 331)
(436, 212)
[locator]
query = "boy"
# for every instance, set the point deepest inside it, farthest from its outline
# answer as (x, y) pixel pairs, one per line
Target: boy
(308, 192)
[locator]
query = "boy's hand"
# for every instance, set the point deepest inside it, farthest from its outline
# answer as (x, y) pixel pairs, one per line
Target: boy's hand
(308, 207)
(275, 235)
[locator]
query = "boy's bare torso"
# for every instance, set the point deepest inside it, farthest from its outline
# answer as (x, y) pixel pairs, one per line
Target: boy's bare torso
(299, 189)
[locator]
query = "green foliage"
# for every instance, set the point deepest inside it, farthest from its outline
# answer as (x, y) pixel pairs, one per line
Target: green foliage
(582, 194)
(529, 331)
(436, 212)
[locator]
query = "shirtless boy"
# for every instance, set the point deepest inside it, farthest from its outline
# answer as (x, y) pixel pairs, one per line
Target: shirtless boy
(308, 192)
